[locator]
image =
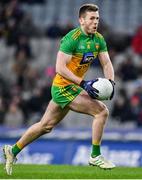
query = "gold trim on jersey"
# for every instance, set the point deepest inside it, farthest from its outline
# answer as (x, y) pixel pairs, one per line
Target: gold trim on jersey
(76, 34)
(61, 81)
(80, 55)
(98, 35)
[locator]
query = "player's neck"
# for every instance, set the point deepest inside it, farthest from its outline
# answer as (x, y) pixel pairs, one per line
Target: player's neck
(85, 33)
(83, 30)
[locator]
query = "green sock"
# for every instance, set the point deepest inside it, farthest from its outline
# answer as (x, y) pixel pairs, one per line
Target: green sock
(95, 150)
(15, 149)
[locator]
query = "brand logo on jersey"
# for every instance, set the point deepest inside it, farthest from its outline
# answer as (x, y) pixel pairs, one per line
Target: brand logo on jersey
(81, 46)
(87, 58)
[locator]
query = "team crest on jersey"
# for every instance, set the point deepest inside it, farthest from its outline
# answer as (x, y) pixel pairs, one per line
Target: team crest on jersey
(97, 46)
(87, 58)
(88, 45)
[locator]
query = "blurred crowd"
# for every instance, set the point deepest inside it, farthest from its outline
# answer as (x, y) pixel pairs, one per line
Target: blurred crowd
(23, 100)
(26, 97)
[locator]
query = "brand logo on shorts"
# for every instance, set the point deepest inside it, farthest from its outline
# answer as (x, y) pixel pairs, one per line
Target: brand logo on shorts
(74, 88)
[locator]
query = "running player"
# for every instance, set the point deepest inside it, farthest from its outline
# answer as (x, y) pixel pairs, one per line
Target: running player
(77, 51)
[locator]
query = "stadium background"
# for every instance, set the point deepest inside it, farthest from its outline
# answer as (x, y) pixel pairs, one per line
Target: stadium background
(30, 32)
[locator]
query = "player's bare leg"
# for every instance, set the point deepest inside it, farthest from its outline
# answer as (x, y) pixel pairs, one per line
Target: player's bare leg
(84, 104)
(52, 116)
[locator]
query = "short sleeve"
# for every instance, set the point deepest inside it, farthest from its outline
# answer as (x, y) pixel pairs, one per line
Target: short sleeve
(103, 46)
(67, 45)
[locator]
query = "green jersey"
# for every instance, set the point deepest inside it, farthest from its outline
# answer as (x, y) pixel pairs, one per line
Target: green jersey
(84, 49)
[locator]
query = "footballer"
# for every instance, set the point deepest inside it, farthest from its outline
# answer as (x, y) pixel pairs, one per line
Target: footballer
(78, 49)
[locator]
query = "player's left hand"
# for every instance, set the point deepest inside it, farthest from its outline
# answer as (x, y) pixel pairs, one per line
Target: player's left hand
(113, 84)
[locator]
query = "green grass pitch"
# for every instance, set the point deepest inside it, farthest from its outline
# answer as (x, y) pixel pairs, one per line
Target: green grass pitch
(69, 172)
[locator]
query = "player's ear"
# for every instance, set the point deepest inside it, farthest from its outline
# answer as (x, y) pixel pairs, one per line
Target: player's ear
(81, 21)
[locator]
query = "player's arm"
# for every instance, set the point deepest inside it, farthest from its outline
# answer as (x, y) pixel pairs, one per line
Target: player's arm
(106, 65)
(61, 67)
(107, 68)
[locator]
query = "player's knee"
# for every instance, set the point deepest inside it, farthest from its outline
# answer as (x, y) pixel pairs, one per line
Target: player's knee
(104, 112)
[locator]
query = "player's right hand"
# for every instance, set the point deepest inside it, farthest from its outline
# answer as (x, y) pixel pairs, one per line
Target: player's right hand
(87, 86)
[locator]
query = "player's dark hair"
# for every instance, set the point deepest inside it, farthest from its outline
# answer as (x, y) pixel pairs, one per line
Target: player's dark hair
(87, 7)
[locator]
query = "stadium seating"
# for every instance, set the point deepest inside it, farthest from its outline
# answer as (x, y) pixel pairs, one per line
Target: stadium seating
(120, 17)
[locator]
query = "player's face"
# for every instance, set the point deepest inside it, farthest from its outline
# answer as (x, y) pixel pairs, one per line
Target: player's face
(89, 22)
